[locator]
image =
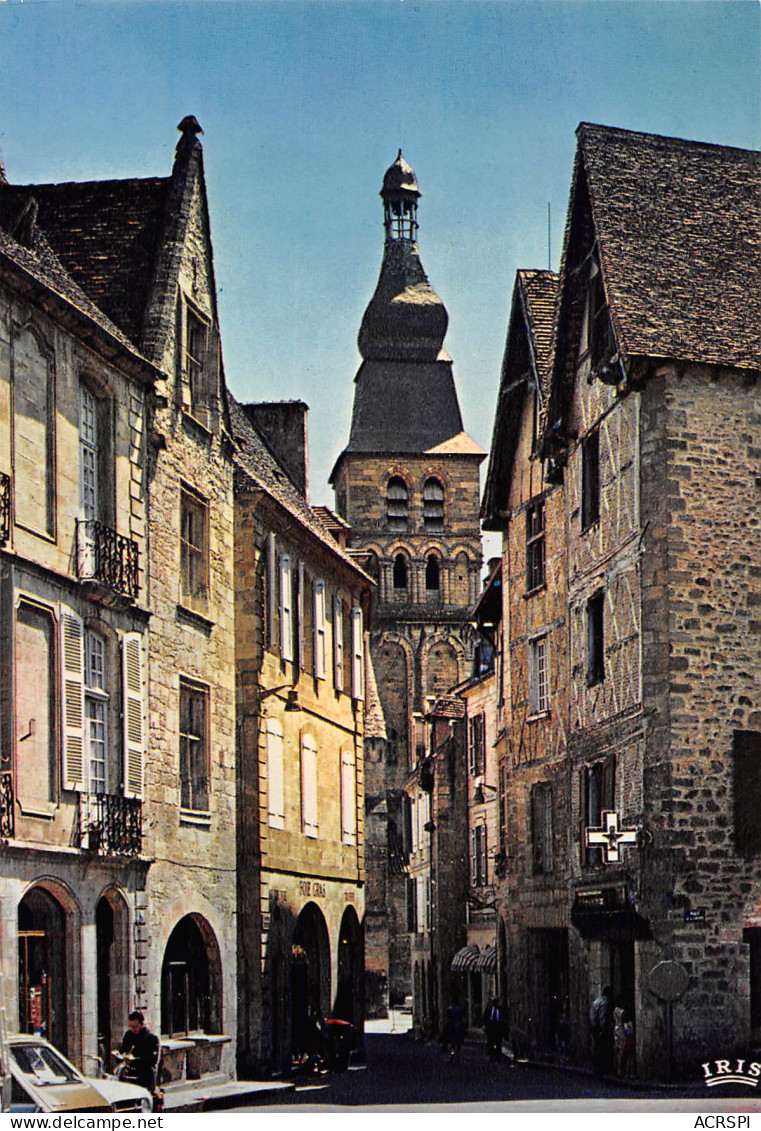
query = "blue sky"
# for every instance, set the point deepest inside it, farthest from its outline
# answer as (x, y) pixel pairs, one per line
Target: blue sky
(304, 104)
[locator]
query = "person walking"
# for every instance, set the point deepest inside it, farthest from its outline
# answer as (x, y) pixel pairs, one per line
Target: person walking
(601, 1024)
(454, 1032)
(493, 1028)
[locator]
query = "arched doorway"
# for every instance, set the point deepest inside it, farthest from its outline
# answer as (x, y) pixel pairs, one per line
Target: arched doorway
(112, 971)
(310, 969)
(191, 979)
(43, 973)
(349, 1002)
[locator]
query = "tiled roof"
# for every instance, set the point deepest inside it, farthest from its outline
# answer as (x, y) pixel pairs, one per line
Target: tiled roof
(40, 263)
(539, 291)
(449, 707)
(678, 225)
(375, 722)
(256, 464)
(105, 234)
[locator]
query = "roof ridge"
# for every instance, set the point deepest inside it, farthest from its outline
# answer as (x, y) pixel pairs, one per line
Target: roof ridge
(683, 141)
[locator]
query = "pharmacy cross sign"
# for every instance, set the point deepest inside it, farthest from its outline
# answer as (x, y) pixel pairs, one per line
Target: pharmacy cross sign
(610, 836)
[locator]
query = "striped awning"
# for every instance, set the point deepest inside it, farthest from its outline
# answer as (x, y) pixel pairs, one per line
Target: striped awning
(466, 959)
(487, 961)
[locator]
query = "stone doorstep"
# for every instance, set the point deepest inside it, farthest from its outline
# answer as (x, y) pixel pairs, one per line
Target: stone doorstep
(218, 1092)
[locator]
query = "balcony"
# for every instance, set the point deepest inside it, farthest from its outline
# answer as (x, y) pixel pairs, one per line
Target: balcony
(7, 823)
(5, 508)
(110, 825)
(107, 559)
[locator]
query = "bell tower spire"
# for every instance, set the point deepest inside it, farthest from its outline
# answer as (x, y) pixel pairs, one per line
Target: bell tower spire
(400, 195)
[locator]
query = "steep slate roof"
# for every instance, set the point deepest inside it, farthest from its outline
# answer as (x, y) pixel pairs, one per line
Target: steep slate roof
(528, 351)
(39, 263)
(256, 465)
(106, 235)
(678, 225)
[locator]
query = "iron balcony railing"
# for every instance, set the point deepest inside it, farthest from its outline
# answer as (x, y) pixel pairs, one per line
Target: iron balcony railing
(107, 557)
(111, 825)
(7, 822)
(5, 508)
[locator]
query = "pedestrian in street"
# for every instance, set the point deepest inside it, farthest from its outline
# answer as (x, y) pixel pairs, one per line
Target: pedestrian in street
(623, 1042)
(493, 1028)
(454, 1032)
(141, 1046)
(601, 1024)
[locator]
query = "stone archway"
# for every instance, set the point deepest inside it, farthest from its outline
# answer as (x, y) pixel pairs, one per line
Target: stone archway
(191, 979)
(349, 1000)
(47, 971)
(112, 970)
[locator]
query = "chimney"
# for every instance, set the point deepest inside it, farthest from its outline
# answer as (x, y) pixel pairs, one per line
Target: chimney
(283, 426)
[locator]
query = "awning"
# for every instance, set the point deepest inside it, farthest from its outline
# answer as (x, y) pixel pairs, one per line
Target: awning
(465, 959)
(487, 961)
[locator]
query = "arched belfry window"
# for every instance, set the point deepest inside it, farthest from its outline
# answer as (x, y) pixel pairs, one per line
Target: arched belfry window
(433, 505)
(396, 504)
(432, 572)
(400, 572)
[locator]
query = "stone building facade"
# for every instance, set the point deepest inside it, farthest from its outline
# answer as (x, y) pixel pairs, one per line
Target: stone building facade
(301, 604)
(651, 422)
(143, 462)
(407, 484)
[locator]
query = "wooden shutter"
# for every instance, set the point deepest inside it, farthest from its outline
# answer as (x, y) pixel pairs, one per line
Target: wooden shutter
(338, 644)
(133, 699)
(348, 798)
(308, 786)
(286, 610)
(301, 581)
(275, 787)
(319, 629)
(357, 654)
(473, 858)
(73, 700)
(271, 592)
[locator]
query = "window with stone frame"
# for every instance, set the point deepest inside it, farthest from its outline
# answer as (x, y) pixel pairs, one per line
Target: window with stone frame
(396, 504)
(595, 616)
(590, 479)
(746, 780)
(538, 676)
(597, 786)
(195, 364)
(478, 858)
(433, 506)
(477, 744)
(541, 828)
(194, 549)
(194, 746)
(535, 549)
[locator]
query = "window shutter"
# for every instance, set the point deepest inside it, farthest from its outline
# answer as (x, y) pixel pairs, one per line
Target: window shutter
(133, 699)
(473, 858)
(411, 906)
(338, 644)
(357, 649)
(308, 786)
(319, 629)
(286, 610)
(421, 918)
(413, 825)
(300, 613)
(73, 703)
(275, 790)
(348, 798)
(271, 592)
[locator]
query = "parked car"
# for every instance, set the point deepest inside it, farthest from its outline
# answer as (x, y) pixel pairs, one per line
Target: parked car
(42, 1079)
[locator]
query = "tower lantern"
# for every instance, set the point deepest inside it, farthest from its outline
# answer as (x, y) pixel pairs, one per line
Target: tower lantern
(400, 196)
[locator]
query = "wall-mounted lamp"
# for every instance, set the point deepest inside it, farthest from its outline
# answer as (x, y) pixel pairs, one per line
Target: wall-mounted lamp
(479, 797)
(292, 700)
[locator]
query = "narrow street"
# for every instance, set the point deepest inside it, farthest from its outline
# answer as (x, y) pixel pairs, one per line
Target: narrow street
(403, 1071)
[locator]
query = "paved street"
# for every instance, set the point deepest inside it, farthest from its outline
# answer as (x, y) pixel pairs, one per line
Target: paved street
(403, 1071)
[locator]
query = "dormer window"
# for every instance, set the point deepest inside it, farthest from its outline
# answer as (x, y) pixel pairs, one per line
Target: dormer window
(396, 504)
(600, 340)
(194, 378)
(433, 506)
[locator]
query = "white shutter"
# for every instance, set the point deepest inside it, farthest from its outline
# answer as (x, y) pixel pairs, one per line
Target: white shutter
(357, 658)
(73, 700)
(319, 629)
(134, 699)
(421, 919)
(338, 644)
(308, 786)
(271, 592)
(300, 614)
(413, 822)
(348, 798)
(275, 790)
(286, 610)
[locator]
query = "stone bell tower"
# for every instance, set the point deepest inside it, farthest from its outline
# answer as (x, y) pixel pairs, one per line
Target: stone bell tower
(408, 485)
